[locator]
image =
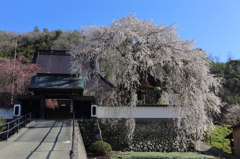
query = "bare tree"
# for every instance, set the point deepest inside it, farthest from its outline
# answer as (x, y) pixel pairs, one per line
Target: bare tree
(133, 48)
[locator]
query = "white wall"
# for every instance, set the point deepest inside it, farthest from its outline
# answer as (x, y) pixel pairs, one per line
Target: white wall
(6, 113)
(139, 112)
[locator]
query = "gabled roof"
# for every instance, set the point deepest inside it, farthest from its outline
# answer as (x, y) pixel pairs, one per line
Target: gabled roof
(57, 62)
(100, 81)
(153, 80)
(53, 61)
(56, 81)
(236, 125)
(84, 98)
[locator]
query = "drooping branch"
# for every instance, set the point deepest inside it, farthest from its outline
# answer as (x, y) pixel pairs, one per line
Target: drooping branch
(132, 48)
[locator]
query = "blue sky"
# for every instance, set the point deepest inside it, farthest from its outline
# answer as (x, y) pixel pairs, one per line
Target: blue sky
(213, 24)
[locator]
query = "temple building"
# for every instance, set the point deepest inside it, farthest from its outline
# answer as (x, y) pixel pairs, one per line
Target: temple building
(55, 83)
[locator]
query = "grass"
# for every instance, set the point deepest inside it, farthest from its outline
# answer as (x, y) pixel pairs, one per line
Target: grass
(2, 121)
(217, 138)
(159, 155)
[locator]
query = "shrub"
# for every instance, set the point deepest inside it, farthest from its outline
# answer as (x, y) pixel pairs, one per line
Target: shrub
(2, 121)
(101, 147)
(217, 138)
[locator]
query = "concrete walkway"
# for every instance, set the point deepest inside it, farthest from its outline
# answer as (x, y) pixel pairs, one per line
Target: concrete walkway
(206, 149)
(50, 139)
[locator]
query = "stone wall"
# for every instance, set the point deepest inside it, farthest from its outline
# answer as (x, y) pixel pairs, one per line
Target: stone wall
(149, 135)
(82, 154)
(90, 131)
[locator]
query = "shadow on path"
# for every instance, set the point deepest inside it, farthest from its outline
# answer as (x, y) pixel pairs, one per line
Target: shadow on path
(208, 150)
(42, 140)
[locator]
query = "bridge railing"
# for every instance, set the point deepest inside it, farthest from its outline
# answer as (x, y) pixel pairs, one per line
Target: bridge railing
(73, 136)
(13, 126)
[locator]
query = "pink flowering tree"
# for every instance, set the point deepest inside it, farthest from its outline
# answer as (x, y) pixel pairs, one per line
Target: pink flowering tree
(51, 103)
(15, 76)
(232, 116)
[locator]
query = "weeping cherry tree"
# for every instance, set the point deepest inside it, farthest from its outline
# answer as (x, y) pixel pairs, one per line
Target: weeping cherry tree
(133, 48)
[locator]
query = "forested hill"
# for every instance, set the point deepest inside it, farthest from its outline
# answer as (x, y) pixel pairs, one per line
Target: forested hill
(230, 72)
(27, 43)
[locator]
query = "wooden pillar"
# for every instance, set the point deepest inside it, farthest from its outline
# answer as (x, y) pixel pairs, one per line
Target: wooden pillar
(42, 107)
(30, 106)
(71, 104)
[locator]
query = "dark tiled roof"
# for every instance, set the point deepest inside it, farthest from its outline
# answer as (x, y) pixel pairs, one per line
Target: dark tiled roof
(156, 77)
(236, 125)
(84, 98)
(52, 81)
(106, 81)
(156, 81)
(52, 61)
(28, 97)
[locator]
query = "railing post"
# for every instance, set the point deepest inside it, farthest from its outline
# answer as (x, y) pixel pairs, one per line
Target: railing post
(17, 121)
(33, 116)
(17, 125)
(7, 130)
(25, 120)
(73, 135)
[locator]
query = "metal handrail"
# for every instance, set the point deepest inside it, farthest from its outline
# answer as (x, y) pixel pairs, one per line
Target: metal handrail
(31, 115)
(73, 135)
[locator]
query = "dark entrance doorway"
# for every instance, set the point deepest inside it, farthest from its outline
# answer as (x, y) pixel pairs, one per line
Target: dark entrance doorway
(62, 111)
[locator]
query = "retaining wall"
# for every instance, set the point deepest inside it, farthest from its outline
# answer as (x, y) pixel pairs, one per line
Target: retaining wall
(149, 135)
(80, 145)
(90, 131)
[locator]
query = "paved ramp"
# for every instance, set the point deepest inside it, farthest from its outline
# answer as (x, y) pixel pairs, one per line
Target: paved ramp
(43, 139)
(206, 149)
